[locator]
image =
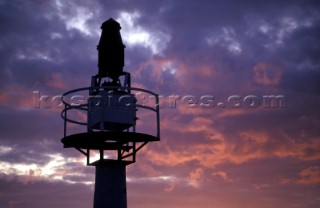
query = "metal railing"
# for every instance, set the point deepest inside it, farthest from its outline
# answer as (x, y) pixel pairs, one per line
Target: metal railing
(68, 106)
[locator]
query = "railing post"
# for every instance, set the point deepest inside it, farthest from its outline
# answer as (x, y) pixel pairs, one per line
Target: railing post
(158, 116)
(65, 121)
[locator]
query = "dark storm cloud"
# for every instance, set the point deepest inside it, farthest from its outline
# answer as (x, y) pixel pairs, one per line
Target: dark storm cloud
(303, 45)
(263, 31)
(34, 45)
(185, 39)
(28, 123)
(30, 194)
(306, 81)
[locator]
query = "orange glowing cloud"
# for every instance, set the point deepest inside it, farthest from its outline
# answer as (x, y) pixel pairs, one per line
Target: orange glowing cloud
(309, 176)
(168, 157)
(291, 148)
(57, 81)
(223, 175)
(216, 148)
(233, 112)
(16, 96)
(3, 97)
(196, 177)
(267, 73)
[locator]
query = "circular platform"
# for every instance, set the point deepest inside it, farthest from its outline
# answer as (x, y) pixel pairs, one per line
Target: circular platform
(107, 140)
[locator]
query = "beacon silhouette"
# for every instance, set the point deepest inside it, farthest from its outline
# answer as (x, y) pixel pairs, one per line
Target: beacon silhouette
(103, 120)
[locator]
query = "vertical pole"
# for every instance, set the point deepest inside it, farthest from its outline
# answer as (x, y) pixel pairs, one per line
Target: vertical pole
(110, 186)
(101, 154)
(158, 116)
(65, 121)
(88, 156)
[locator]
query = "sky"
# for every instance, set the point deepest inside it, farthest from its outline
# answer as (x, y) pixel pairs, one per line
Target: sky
(240, 96)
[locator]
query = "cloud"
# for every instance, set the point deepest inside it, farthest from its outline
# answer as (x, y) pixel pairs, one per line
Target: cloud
(133, 34)
(196, 177)
(305, 177)
(56, 81)
(182, 50)
(222, 175)
(35, 194)
(267, 73)
(215, 147)
(309, 176)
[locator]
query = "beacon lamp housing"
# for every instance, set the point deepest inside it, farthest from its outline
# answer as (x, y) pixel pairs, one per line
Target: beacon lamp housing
(110, 50)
